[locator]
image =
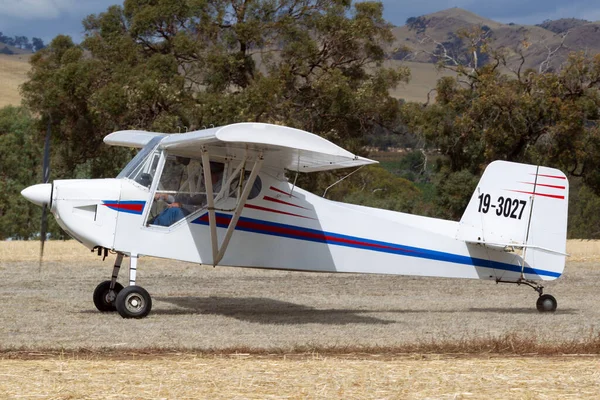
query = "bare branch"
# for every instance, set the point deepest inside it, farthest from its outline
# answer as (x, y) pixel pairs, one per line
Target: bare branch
(441, 57)
(545, 65)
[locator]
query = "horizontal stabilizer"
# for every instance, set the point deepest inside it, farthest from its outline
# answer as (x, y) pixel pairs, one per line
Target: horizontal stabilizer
(519, 246)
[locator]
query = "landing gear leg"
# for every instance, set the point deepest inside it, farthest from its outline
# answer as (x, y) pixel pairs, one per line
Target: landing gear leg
(545, 302)
(133, 301)
(133, 260)
(106, 292)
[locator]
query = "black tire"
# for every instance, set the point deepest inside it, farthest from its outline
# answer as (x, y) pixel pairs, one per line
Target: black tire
(102, 299)
(546, 303)
(133, 302)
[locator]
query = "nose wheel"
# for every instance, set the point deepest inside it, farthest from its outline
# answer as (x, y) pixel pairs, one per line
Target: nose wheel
(104, 297)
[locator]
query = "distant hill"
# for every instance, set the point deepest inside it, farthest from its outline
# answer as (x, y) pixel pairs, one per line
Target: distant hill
(11, 50)
(422, 32)
(562, 25)
(439, 26)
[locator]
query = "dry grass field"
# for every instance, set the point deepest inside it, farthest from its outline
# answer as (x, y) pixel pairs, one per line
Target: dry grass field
(13, 72)
(423, 78)
(239, 333)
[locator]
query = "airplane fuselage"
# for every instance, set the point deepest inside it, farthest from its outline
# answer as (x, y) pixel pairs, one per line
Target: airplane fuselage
(281, 228)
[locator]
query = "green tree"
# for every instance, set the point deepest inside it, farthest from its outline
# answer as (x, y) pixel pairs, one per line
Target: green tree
(584, 218)
(454, 189)
(20, 166)
(164, 65)
(541, 118)
(373, 186)
(37, 44)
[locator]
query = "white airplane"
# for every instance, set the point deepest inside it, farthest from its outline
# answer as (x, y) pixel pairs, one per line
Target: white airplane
(221, 196)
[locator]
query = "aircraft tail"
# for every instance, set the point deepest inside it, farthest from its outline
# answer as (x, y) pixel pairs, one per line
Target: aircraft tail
(523, 206)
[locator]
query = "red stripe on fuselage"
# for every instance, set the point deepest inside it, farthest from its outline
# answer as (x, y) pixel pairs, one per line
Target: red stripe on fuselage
(268, 198)
(275, 211)
(129, 207)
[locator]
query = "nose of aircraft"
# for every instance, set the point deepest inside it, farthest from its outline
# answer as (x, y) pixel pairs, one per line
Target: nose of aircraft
(39, 194)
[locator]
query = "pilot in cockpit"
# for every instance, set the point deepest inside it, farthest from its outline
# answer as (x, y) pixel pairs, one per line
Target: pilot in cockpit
(171, 214)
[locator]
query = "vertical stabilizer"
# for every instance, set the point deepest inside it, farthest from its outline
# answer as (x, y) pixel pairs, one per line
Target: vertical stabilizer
(522, 206)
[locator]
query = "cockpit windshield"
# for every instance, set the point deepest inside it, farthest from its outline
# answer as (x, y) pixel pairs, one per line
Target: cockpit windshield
(142, 167)
(141, 163)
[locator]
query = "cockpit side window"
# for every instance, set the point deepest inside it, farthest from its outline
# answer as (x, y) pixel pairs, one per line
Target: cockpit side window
(236, 186)
(181, 190)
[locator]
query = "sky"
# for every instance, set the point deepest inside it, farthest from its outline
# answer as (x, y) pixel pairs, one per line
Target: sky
(47, 18)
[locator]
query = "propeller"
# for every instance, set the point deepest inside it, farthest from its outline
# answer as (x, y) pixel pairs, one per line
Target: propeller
(45, 179)
(41, 193)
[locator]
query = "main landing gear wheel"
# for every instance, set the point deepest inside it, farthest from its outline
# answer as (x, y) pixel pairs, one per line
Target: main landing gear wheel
(104, 299)
(133, 302)
(546, 303)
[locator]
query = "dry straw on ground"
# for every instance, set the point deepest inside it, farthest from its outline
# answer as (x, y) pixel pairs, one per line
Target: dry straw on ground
(54, 251)
(243, 377)
(583, 250)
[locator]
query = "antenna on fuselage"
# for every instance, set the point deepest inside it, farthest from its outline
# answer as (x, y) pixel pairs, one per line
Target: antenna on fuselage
(297, 172)
(339, 180)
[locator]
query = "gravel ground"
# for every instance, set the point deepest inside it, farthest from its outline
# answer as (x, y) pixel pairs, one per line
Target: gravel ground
(205, 308)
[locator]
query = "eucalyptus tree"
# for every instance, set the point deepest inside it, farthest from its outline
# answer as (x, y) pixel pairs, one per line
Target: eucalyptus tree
(171, 66)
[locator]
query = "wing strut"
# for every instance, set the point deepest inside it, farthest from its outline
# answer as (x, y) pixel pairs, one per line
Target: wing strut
(238, 209)
(217, 252)
(212, 221)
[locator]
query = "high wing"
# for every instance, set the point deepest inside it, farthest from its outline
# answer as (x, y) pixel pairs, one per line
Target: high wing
(131, 138)
(255, 145)
(278, 146)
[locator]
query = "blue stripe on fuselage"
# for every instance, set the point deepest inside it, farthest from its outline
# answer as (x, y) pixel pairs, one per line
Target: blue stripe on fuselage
(318, 236)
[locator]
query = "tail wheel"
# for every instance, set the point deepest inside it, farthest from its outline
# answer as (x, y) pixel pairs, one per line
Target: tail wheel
(133, 302)
(546, 303)
(104, 299)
